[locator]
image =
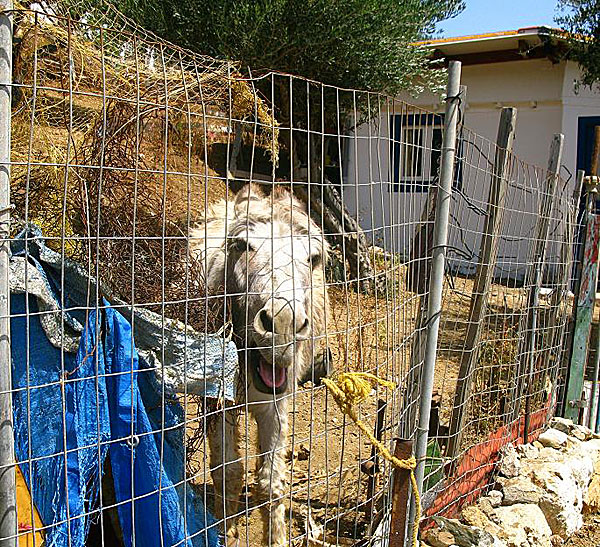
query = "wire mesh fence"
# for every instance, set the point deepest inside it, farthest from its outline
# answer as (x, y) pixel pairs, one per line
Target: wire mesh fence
(193, 251)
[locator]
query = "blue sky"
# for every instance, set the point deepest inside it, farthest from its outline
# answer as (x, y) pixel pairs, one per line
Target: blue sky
(494, 15)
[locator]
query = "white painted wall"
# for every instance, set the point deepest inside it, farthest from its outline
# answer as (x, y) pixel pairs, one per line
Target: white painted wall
(547, 102)
(578, 101)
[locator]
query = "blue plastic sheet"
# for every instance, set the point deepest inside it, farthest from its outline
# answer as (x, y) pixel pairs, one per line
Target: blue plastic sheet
(72, 409)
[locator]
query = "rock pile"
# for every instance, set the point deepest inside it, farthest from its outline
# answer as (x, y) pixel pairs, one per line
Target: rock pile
(538, 498)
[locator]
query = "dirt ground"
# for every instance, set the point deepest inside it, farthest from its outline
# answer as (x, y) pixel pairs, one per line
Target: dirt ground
(325, 450)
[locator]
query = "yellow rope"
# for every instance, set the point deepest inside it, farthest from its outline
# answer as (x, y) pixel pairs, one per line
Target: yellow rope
(350, 389)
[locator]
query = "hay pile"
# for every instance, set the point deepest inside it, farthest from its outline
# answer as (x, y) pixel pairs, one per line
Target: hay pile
(111, 134)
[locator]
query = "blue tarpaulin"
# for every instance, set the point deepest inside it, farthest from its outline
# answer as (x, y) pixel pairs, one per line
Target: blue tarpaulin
(83, 392)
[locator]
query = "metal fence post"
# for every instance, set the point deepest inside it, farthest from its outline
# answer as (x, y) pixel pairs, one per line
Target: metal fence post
(438, 262)
(8, 516)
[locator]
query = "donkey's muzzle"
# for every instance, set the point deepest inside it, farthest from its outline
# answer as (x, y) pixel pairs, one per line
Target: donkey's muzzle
(282, 318)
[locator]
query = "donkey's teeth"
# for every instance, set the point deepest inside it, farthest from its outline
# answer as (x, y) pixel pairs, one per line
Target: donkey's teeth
(273, 377)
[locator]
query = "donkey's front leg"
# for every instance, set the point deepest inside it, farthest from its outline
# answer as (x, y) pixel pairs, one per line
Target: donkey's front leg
(226, 469)
(272, 421)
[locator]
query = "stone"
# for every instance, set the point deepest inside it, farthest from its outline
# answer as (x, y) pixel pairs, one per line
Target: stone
(537, 444)
(500, 482)
(582, 468)
(572, 443)
(436, 537)
(486, 506)
(527, 450)
(562, 424)
(510, 464)
(467, 536)
(525, 525)
(495, 497)
(563, 520)
(562, 499)
(303, 453)
(520, 490)
(549, 454)
(477, 517)
(581, 432)
(592, 497)
(592, 447)
(541, 503)
(553, 438)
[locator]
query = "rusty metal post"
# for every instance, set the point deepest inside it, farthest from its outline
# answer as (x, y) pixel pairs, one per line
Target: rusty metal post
(402, 451)
(371, 466)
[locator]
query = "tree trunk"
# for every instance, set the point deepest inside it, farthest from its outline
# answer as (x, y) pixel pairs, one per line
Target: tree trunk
(324, 201)
(234, 183)
(342, 227)
(328, 211)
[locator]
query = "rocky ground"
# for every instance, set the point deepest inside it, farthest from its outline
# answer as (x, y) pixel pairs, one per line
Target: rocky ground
(546, 494)
(589, 535)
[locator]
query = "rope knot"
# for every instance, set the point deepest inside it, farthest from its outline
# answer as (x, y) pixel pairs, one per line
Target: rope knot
(352, 388)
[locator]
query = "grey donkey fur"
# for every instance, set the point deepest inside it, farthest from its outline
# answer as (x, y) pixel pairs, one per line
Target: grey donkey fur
(268, 257)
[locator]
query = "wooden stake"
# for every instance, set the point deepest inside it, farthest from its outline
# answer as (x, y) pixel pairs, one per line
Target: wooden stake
(485, 270)
(584, 313)
(538, 257)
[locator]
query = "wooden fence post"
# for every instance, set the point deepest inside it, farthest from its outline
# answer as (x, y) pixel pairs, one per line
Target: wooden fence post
(583, 317)
(417, 278)
(561, 346)
(485, 270)
(538, 257)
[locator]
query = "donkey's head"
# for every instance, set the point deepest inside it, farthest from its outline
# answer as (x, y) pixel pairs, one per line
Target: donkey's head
(275, 257)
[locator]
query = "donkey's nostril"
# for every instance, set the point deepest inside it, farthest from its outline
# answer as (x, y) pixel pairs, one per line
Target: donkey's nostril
(266, 321)
(304, 326)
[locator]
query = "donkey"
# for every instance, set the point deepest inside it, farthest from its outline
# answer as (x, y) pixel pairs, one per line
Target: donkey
(268, 256)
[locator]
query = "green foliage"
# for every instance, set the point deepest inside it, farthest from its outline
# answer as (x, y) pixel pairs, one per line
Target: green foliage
(363, 44)
(581, 19)
(434, 465)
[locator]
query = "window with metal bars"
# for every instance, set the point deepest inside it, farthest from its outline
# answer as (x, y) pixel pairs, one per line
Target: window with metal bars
(416, 150)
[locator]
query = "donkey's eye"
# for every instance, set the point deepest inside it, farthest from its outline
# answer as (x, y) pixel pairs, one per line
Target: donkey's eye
(240, 245)
(315, 260)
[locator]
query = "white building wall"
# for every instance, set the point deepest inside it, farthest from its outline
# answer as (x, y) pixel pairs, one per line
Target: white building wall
(538, 89)
(578, 101)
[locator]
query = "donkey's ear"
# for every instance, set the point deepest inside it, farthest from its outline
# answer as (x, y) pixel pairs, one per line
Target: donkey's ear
(245, 197)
